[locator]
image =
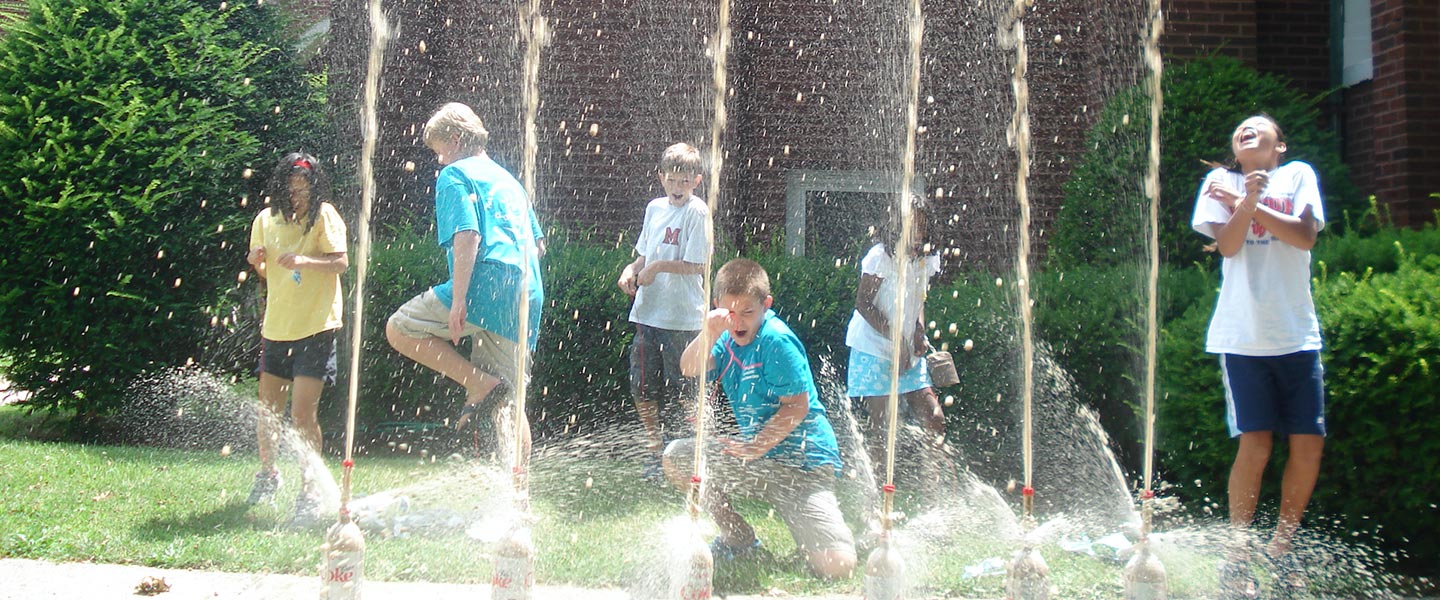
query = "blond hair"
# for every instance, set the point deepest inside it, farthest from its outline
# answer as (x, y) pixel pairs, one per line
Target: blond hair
(681, 158)
(742, 276)
(456, 121)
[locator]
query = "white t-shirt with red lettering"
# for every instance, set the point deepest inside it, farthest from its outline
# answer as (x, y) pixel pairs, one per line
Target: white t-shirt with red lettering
(675, 302)
(1265, 306)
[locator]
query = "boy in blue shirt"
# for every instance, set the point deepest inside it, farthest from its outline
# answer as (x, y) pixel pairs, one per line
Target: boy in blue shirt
(786, 452)
(488, 229)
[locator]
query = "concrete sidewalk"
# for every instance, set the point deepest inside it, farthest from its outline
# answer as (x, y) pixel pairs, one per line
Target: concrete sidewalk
(35, 579)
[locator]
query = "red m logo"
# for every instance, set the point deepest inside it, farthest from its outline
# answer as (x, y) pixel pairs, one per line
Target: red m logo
(672, 236)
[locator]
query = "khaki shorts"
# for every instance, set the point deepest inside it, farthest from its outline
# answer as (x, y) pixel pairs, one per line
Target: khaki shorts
(805, 500)
(426, 316)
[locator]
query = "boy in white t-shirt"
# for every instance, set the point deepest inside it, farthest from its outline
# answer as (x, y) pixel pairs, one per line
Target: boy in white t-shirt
(666, 282)
(1264, 217)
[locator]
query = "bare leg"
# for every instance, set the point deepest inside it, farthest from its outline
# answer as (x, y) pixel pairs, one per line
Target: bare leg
(1246, 474)
(273, 391)
(734, 531)
(876, 431)
(650, 418)
(925, 405)
(304, 405)
(438, 355)
(1301, 471)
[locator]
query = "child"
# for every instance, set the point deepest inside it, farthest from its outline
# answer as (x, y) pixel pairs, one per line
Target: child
(297, 245)
(669, 293)
(786, 453)
(1264, 217)
(869, 335)
(487, 227)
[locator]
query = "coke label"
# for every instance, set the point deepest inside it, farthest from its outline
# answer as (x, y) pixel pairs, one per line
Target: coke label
(341, 577)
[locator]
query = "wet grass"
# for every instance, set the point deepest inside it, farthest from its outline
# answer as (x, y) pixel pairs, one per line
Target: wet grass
(599, 523)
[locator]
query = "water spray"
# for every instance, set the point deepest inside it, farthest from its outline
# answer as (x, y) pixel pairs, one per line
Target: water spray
(1144, 575)
(342, 574)
(885, 568)
(513, 575)
(696, 581)
(1027, 575)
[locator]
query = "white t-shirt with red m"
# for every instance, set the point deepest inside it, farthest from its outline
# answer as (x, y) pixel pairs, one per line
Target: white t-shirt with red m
(675, 302)
(1265, 307)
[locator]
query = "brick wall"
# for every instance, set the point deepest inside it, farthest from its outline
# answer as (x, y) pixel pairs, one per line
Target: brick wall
(817, 85)
(1404, 111)
(1196, 28)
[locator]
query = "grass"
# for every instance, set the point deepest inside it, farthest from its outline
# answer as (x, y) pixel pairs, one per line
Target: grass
(65, 501)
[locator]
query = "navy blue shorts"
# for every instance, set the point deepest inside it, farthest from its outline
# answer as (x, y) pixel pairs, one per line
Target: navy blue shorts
(312, 356)
(1283, 394)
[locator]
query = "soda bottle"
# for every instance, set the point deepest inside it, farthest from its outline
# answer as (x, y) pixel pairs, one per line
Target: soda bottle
(344, 552)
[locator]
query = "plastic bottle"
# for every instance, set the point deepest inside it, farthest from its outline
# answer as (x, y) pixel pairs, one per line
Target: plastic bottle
(885, 572)
(344, 551)
(1027, 576)
(514, 573)
(1144, 575)
(695, 582)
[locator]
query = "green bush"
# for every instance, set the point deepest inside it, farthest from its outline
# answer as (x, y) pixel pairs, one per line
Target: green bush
(1382, 456)
(1102, 220)
(124, 128)
(1093, 319)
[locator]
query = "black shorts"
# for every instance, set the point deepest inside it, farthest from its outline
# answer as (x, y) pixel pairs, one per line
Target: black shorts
(312, 357)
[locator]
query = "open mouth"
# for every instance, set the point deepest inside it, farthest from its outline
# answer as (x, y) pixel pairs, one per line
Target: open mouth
(1248, 135)
(740, 334)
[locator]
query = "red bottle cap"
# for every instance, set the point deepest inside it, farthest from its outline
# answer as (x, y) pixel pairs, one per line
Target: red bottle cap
(1028, 491)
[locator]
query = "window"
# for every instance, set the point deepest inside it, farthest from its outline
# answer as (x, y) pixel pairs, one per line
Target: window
(832, 213)
(1356, 64)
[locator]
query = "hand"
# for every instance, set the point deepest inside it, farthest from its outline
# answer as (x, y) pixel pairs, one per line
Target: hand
(918, 344)
(1255, 184)
(740, 450)
(647, 275)
(256, 257)
(457, 320)
(717, 321)
(627, 282)
(292, 261)
(1224, 194)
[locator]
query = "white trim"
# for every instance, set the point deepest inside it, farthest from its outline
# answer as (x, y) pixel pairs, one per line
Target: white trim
(800, 182)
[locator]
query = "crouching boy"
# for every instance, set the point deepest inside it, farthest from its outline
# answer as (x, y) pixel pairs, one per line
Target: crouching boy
(786, 452)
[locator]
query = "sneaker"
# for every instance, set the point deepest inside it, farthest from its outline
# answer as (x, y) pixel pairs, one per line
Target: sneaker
(1237, 581)
(1290, 581)
(264, 488)
(722, 551)
(307, 509)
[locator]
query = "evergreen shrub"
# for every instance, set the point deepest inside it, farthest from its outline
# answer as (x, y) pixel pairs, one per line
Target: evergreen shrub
(125, 126)
(1102, 219)
(1382, 454)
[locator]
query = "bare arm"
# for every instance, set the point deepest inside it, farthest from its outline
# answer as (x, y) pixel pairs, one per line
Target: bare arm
(696, 359)
(792, 411)
(333, 262)
(627, 276)
(647, 274)
(865, 304)
(1299, 232)
(466, 246)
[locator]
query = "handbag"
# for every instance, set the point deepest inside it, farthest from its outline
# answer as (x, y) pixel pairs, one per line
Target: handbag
(942, 368)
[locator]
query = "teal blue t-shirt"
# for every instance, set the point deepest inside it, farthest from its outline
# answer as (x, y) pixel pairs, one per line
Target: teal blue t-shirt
(757, 375)
(476, 194)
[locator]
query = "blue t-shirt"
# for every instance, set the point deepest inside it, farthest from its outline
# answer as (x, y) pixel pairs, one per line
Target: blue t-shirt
(756, 375)
(476, 194)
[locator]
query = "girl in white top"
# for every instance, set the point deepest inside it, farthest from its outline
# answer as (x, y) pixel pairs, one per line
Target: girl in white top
(1264, 217)
(869, 334)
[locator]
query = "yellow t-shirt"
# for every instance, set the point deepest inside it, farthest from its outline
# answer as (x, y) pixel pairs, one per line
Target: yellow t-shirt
(299, 304)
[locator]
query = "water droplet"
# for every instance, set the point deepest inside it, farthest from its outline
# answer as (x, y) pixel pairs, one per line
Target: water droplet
(409, 166)
(969, 345)
(247, 173)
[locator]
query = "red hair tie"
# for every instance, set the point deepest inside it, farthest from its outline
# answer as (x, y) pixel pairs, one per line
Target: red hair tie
(302, 163)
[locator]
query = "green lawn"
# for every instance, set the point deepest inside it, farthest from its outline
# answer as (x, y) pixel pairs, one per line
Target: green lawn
(170, 508)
